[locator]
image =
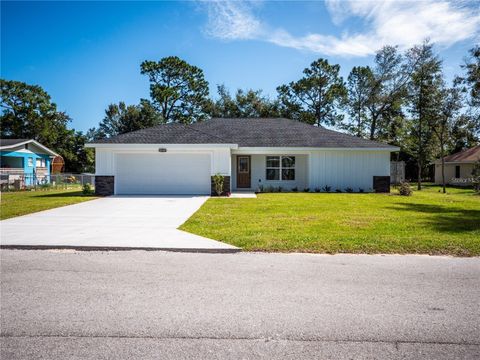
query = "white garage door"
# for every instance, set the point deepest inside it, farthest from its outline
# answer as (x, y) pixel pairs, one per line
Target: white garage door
(162, 173)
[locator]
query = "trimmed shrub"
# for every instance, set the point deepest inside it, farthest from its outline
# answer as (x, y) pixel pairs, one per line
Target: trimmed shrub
(295, 189)
(338, 190)
(405, 189)
(218, 181)
(327, 188)
(349, 190)
(87, 189)
(306, 190)
(317, 189)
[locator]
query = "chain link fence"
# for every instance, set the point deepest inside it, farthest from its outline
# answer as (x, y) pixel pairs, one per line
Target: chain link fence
(19, 182)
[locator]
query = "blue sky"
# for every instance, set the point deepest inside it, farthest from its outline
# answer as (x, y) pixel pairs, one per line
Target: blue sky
(87, 54)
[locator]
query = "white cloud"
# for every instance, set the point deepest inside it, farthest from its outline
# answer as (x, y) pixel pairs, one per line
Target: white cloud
(231, 20)
(402, 23)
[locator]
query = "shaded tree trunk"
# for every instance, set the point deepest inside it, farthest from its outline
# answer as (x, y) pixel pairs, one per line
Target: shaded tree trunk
(443, 166)
(373, 128)
(359, 121)
(420, 145)
(419, 174)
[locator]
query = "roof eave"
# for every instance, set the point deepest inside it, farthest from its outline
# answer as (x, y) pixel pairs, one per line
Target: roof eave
(49, 152)
(313, 148)
(150, 145)
(456, 162)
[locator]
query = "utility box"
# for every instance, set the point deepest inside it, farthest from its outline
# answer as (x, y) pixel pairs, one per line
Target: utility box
(381, 184)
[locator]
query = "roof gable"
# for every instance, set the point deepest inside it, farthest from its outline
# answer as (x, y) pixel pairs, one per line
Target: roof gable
(16, 144)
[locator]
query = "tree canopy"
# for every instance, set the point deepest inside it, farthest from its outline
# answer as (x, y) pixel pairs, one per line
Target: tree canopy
(359, 86)
(178, 90)
(425, 82)
(316, 97)
(29, 113)
(472, 75)
(470, 82)
(245, 103)
(121, 118)
(387, 93)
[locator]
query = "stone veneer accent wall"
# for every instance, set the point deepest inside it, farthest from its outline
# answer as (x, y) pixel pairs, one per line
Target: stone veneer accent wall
(226, 186)
(104, 185)
(381, 184)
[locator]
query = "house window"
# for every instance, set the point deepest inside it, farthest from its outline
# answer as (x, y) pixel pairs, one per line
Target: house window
(288, 167)
(40, 162)
(30, 161)
(280, 168)
(243, 164)
(457, 171)
(273, 167)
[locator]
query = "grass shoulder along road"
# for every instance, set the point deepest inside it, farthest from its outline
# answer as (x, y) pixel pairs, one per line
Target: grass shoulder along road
(428, 222)
(25, 202)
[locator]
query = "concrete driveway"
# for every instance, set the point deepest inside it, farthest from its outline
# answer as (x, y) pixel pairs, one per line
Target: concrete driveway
(117, 222)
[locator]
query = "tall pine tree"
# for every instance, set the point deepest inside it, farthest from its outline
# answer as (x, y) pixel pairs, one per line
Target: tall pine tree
(425, 82)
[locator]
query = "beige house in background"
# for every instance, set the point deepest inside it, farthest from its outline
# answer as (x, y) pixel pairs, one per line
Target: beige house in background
(458, 167)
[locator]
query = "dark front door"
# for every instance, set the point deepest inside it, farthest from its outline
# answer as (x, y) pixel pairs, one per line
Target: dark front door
(243, 171)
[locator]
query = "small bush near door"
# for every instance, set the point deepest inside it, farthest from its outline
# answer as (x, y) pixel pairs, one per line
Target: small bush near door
(218, 181)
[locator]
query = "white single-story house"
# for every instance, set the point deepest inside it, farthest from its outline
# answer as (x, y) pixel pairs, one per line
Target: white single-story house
(251, 154)
(458, 167)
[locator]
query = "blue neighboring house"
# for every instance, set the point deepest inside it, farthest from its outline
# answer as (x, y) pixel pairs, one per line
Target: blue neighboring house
(26, 160)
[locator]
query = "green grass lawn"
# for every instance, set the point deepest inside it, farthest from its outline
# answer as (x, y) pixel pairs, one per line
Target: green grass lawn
(25, 202)
(428, 222)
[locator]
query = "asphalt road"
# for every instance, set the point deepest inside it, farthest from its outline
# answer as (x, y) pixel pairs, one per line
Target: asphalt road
(158, 305)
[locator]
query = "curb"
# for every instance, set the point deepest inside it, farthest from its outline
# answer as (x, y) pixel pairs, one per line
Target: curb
(119, 248)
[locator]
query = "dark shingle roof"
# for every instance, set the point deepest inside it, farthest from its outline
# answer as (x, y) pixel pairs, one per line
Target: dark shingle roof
(164, 134)
(469, 155)
(255, 132)
(10, 142)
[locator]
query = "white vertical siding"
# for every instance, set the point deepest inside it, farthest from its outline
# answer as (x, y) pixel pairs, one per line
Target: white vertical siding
(341, 169)
(221, 162)
(104, 162)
